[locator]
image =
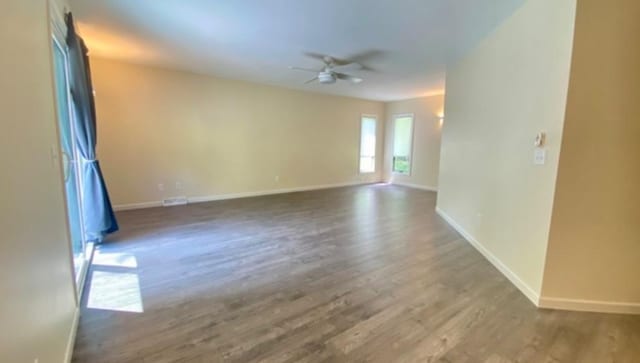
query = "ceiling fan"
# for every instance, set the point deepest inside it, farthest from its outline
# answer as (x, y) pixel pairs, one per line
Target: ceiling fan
(328, 74)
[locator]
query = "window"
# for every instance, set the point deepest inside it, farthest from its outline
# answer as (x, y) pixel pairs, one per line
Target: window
(402, 144)
(368, 144)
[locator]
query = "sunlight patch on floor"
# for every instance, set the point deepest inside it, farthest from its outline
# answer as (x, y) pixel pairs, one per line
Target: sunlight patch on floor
(114, 259)
(117, 291)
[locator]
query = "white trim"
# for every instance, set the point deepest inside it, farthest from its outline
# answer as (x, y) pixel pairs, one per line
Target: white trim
(274, 191)
(59, 30)
(210, 198)
(142, 205)
(530, 293)
(82, 276)
(589, 305)
(72, 336)
(81, 282)
(545, 302)
(415, 186)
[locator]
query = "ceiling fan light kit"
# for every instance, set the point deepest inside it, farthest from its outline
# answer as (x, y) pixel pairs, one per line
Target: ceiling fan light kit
(326, 77)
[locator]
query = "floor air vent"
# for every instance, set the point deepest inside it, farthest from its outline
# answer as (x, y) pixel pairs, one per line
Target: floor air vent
(174, 201)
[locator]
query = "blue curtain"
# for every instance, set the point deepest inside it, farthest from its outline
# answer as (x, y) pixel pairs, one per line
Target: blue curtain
(98, 215)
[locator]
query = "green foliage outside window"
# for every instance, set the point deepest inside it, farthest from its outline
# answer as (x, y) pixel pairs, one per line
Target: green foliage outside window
(401, 164)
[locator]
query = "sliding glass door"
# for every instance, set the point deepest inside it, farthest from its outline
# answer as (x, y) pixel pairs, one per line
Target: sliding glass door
(69, 158)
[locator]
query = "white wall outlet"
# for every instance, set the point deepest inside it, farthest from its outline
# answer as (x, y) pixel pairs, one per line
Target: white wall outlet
(178, 185)
(277, 178)
(161, 187)
(539, 156)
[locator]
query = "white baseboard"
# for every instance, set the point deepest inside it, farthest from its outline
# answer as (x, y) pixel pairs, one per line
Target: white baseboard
(530, 293)
(589, 305)
(211, 198)
(142, 205)
(72, 336)
(274, 191)
(543, 301)
(415, 186)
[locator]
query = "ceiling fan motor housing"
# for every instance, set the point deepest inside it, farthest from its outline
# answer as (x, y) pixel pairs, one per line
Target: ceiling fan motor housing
(326, 77)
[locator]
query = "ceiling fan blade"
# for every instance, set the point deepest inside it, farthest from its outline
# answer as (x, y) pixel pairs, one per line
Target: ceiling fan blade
(367, 55)
(357, 67)
(304, 69)
(346, 77)
(360, 60)
(327, 59)
(311, 80)
(318, 56)
(340, 62)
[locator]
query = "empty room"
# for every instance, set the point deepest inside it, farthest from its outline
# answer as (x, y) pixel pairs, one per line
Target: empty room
(320, 181)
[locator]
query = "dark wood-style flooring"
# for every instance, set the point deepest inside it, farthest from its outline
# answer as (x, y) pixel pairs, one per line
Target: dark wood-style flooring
(355, 274)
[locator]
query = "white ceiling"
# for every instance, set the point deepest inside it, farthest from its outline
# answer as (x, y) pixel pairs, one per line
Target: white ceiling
(256, 40)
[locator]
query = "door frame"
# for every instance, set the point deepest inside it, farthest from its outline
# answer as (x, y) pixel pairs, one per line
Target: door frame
(58, 31)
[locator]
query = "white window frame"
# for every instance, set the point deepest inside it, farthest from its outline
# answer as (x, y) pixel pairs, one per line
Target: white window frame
(58, 34)
(411, 138)
(375, 155)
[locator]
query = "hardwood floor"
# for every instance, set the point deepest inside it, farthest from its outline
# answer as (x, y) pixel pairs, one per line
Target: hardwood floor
(366, 273)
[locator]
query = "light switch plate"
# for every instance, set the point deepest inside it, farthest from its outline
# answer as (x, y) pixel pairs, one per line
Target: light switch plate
(539, 156)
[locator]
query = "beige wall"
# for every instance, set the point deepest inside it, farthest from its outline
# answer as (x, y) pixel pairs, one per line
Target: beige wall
(426, 140)
(500, 95)
(218, 136)
(38, 301)
(594, 246)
